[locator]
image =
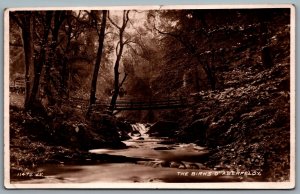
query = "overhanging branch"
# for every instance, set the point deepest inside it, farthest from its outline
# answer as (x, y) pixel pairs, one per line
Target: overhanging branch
(124, 78)
(112, 22)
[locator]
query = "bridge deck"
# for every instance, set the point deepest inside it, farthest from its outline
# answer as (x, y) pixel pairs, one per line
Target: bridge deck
(148, 104)
(136, 104)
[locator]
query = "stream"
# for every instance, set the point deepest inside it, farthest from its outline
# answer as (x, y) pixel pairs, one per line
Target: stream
(160, 161)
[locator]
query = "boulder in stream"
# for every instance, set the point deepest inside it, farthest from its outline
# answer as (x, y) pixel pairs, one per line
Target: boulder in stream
(195, 132)
(163, 148)
(135, 133)
(163, 129)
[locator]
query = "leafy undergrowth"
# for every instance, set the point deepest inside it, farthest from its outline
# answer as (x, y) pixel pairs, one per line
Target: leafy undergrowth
(247, 127)
(60, 136)
(246, 124)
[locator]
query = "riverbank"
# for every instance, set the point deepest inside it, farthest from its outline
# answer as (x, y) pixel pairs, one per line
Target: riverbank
(247, 124)
(145, 159)
(61, 136)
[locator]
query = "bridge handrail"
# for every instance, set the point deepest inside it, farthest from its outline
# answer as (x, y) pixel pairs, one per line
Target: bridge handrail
(137, 104)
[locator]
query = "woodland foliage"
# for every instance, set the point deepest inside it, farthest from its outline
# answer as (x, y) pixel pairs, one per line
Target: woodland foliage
(232, 65)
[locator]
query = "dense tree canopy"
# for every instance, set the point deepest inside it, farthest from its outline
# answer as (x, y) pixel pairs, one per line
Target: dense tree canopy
(156, 52)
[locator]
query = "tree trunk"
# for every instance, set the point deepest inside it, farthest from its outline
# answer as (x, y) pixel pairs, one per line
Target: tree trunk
(28, 52)
(210, 73)
(117, 63)
(65, 65)
(65, 77)
(35, 87)
(52, 87)
(38, 65)
(116, 83)
(98, 60)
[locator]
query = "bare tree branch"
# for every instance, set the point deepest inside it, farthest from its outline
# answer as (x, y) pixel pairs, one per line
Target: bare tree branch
(140, 34)
(124, 78)
(135, 52)
(177, 37)
(128, 41)
(119, 55)
(117, 48)
(112, 22)
(127, 18)
(124, 17)
(108, 33)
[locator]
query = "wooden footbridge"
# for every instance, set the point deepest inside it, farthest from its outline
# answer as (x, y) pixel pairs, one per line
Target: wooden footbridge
(137, 104)
(18, 86)
(151, 104)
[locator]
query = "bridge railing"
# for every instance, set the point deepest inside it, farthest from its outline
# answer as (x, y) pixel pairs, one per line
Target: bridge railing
(152, 104)
(136, 104)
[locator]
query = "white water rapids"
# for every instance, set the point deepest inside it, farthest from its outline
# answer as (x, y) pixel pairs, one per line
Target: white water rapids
(141, 128)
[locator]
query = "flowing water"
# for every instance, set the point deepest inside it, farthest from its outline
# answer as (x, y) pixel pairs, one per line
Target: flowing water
(159, 162)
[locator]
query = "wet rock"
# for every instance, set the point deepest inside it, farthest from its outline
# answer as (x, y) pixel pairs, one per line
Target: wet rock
(194, 166)
(201, 166)
(165, 164)
(182, 166)
(195, 132)
(85, 137)
(135, 133)
(123, 135)
(191, 166)
(176, 164)
(124, 126)
(156, 163)
(163, 129)
(219, 167)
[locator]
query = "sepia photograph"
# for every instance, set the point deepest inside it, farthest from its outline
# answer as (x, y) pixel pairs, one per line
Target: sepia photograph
(187, 97)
